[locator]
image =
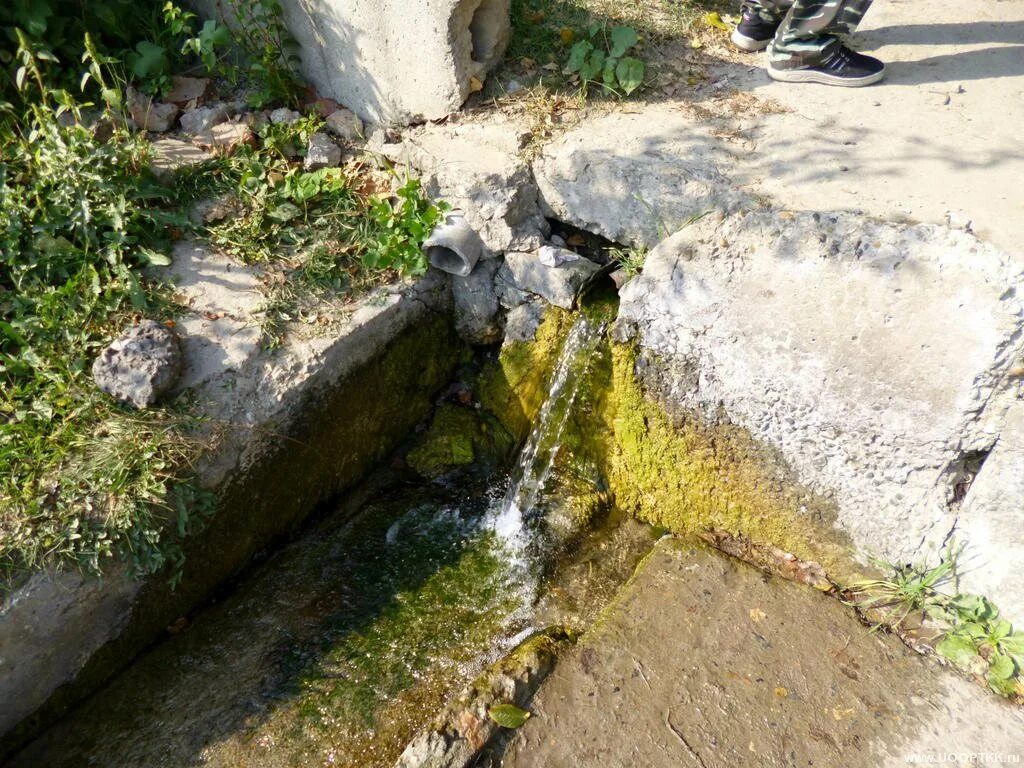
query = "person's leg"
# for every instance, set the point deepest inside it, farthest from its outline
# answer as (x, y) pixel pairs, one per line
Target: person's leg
(758, 23)
(807, 48)
(807, 35)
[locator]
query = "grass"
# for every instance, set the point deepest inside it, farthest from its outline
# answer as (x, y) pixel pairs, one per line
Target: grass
(84, 481)
(971, 634)
(543, 31)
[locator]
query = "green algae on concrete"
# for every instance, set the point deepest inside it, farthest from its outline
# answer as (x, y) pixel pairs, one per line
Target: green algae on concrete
(458, 437)
(686, 475)
(514, 386)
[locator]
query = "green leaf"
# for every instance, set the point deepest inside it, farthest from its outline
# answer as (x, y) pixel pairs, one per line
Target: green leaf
(508, 715)
(593, 65)
(713, 19)
(1000, 629)
(148, 60)
(284, 212)
(1013, 644)
(578, 55)
(958, 649)
(623, 38)
(608, 76)
(630, 74)
(973, 630)
(154, 258)
(1001, 666)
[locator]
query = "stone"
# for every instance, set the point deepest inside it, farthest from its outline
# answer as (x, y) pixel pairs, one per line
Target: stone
(225, 138)
(477, 168)
(200, 120)
(188, 90)
(321, 152)
(871, 357)
(522, 321)
(703, 660)
(634, 178)
(394, 61)
(148, 115)
(476, 304)
(345, 124)
(141, 365)
(556, 285)
(284, 116)
(169, 155)
(214, 209)
(552, 256)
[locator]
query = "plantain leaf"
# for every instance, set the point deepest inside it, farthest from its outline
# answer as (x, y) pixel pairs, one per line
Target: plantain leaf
(630, 74)
(508, 715)
(623, 38)
(958, 649)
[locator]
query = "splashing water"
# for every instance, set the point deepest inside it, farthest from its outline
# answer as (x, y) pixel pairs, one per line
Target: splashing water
(510, 517)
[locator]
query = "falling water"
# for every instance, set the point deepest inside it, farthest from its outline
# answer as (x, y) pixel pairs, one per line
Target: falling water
(510, 517)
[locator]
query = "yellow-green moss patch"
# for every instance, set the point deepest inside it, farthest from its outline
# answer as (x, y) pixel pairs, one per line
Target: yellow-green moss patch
(515, 385)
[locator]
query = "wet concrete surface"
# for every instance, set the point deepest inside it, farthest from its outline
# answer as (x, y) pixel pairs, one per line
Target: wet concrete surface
(705, 661)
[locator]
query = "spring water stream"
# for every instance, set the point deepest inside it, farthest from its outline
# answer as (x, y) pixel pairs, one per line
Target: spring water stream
(339, 647)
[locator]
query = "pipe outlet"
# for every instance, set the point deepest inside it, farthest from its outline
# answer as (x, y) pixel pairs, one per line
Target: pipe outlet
(454, 246)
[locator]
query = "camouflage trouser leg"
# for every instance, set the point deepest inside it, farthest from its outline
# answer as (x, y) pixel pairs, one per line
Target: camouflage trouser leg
(807, 35)
(770, 11)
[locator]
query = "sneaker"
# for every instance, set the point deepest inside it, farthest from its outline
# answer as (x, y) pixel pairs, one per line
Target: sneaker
(844, 67)
(753, 33)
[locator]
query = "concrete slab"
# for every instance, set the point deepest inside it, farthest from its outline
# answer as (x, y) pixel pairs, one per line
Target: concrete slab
(393, 61)
(869, 355)
(939, 137)
(704, 661)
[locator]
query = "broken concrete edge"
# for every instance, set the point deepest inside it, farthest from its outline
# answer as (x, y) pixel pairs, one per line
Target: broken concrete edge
(464, 729)
(303, 425)
(886, 432)
(396, 61)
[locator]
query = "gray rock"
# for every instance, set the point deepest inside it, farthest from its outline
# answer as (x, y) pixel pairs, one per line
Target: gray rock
(509, 296)
(284, 116)
(558, 285)
(345, 124)
(169, 155)
(141, 365)
(872, 357)
(634, 178)
(149, 115)
(552, 256)
(202, 119)
(476, 304)
(321, 152)
(188, 90)
(477, 168)
(522, 321)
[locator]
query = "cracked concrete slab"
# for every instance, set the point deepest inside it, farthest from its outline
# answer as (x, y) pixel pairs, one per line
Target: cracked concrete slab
(869, 355)
(705, 661)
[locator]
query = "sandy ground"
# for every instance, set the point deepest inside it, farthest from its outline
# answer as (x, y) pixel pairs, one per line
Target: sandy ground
(940, 137)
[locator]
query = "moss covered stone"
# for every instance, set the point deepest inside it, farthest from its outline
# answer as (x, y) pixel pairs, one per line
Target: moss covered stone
(514, 386)
(459, 437)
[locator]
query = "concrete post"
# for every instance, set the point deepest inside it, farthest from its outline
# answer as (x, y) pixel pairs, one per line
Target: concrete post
(393, 61)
